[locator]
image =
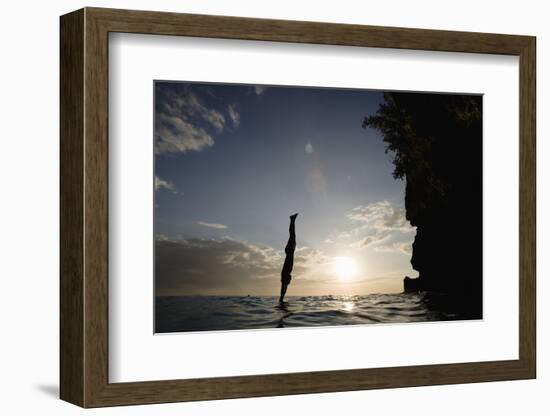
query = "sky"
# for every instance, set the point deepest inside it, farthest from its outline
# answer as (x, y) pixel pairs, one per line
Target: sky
(232, 162)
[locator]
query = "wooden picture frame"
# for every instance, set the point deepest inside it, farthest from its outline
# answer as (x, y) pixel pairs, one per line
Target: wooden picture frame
(84, 207)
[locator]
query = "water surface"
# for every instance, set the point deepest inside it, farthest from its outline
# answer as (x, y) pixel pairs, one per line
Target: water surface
(211, 313)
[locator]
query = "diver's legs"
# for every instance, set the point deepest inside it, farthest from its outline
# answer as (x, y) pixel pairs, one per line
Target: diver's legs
(292, 232)
(291, 228)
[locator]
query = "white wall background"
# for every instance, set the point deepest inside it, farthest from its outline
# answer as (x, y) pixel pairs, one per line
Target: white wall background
(29, 210)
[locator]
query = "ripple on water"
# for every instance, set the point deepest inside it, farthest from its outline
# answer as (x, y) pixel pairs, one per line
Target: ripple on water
(209, 313)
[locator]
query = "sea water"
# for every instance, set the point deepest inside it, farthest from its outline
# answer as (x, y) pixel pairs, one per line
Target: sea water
(212, 313)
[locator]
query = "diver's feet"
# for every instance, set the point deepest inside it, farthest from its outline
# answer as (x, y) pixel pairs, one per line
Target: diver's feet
(293, 217)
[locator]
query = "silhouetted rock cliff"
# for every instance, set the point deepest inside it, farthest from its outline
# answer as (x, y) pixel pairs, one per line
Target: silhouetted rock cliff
(436, 140)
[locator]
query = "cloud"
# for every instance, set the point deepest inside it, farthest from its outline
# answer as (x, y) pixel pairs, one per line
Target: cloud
(259, 89)
(183, 122)
(188, 104)
(307, 260)
(195, 266)
(377, 223)
(217, 120)
(212, 225)
(370, 240)
(234, 114)
(381, 215)
(161, 183)
(206, 266)
(177, 135)
(397, 247)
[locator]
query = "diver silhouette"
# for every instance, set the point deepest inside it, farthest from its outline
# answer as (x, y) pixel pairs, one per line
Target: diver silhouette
(286, 276)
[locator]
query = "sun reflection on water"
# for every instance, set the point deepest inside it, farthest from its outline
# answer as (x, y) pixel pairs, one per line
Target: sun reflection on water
(348, 306)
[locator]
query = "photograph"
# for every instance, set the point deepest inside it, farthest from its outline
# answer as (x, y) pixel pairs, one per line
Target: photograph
(273, 204)
(292, 206)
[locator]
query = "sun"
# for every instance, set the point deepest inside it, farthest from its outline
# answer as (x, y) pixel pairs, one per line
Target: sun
(344, 267)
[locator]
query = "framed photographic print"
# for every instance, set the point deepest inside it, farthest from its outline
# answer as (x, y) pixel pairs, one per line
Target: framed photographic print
(256, 207)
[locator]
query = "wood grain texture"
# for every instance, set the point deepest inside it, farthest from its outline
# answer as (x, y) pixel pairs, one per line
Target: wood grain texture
(96, 220)
(72, 210)
(162, 23)
(84, 207)
(527, 208)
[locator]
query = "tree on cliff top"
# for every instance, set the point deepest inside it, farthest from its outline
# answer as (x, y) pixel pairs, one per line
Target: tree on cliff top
(432, 137)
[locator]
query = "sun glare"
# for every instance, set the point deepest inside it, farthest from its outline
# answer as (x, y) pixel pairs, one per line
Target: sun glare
(344, 267)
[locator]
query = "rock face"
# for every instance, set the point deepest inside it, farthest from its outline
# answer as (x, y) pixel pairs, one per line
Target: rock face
(437, 143)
